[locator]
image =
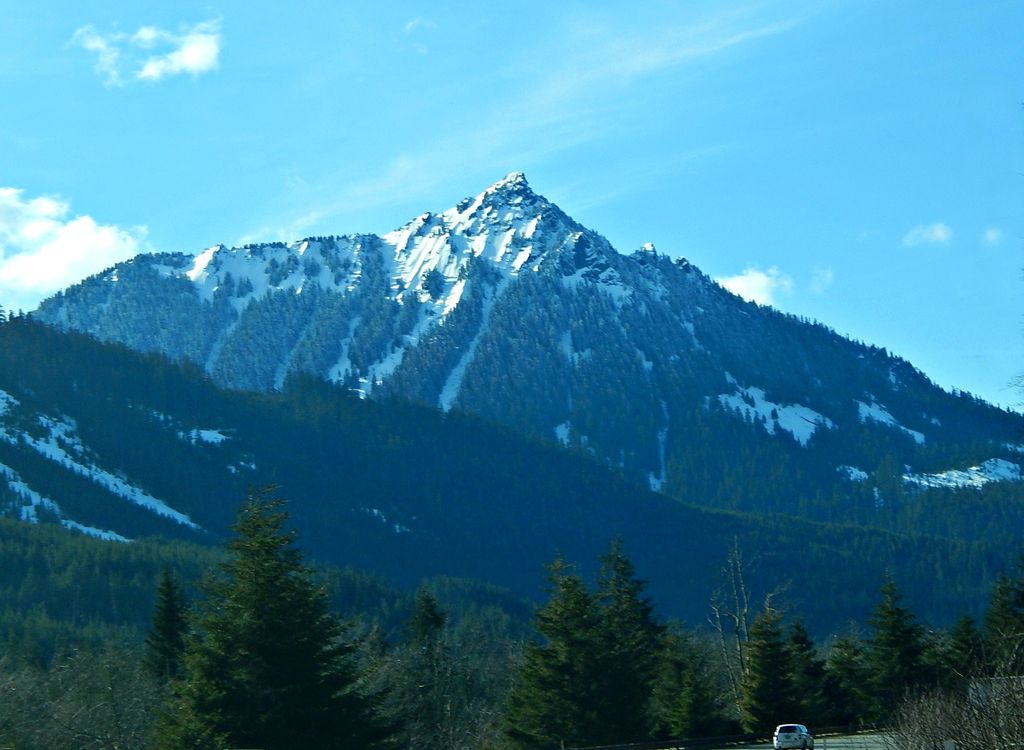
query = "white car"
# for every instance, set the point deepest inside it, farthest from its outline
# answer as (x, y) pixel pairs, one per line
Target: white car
(790, 736)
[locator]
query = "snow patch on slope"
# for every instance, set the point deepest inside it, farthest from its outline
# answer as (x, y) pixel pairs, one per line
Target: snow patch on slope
(201, 262)
(799, 421)
(379, 515)
(565, 346)
(976, 477)
(377, 372)
(208, 436)
(7, 401)
(61, 439)
(33, 500)
(875, 412)
(107, 536)
(853, 473)
(341, 368)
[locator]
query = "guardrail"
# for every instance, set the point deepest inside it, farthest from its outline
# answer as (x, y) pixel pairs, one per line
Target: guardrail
(696, 743)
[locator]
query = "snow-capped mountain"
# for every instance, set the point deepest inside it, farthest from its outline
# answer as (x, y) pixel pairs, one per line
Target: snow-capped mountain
(505, 307)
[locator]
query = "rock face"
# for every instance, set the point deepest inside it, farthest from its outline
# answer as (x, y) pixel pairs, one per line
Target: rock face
(505, 307)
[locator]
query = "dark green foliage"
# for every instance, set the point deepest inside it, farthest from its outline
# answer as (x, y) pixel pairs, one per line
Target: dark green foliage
(810, 678)
(427, 622)
(62, 590)
(689, 691)
(165, 642)
(895, 650)
(445, 683)
(433, 283)
(119, 306)
(268, 665)
(966, 655)
(266, 332)
(420, 699)
(696, 712)
(1004, 623)
(850, 684)
(768, 690)
(556, 700)
(633, 643)
(606, 671)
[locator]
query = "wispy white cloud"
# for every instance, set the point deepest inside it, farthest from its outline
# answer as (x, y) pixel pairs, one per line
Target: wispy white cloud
(405, 175)
(44, 247)
(930, 234)
(415, 28)
(415, 24)
(575, 86)
(151, 53)
(992, 236)
(758, 286)
(821, 280)
(612, 54)
(107, 51)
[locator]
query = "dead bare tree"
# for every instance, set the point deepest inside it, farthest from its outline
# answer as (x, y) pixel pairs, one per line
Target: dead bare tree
(730, 616)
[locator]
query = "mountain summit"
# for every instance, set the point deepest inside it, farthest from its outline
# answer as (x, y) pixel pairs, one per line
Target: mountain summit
(506, 307)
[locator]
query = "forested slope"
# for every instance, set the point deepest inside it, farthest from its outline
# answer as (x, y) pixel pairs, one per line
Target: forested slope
(408, 492)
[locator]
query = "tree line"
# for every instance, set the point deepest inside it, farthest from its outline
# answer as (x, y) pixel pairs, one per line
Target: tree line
(260, 659)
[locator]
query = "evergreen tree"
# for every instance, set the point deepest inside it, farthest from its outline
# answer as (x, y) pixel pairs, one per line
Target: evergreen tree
(633, 643)
(267, 665)
(556, 698)
(427, 622)
(687, 702)
(768, 691)
(894, 651)
(697, 711)
(420, 700)
(165, 642)
(809, 676)
(1004, 623)
(966, 650)
(849, 686)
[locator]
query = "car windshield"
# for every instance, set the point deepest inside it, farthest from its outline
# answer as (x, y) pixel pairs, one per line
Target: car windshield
(788, 728)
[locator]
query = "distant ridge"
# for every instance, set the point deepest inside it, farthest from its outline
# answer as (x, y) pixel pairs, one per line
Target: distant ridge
(104, 441)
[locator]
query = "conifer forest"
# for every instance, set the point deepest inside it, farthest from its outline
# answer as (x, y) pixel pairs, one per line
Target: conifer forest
(256, 647)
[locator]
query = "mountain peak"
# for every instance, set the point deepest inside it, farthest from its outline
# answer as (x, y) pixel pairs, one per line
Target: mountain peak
(511, 189)
(513, 180)
(508, 200)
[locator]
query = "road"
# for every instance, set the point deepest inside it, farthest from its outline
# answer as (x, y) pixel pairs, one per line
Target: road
(874, 741)
(847, 742)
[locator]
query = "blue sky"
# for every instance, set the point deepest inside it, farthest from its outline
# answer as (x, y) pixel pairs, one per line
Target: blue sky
(857, 162)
